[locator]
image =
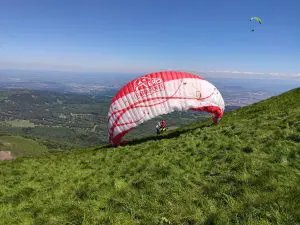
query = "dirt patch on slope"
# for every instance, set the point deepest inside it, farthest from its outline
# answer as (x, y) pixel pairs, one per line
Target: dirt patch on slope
(5, 155)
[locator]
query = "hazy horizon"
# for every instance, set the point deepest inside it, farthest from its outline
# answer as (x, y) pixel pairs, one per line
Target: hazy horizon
(236, 82)
(54, 74)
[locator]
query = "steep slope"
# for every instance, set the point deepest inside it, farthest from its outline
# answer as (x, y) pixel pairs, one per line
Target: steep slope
(19, 146)
(246, 170)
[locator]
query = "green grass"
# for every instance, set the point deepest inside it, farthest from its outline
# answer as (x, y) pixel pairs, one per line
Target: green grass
(20, 146)
(246, 170)
(20, 123)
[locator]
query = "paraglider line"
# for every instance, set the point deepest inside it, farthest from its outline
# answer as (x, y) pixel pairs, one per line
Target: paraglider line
(136, 105)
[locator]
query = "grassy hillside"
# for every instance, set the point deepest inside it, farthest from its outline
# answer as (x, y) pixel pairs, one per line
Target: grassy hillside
(246, 170)
(20, 146)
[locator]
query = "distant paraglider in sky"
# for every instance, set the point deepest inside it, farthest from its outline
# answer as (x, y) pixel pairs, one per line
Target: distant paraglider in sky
(255, 19)
(160, 93)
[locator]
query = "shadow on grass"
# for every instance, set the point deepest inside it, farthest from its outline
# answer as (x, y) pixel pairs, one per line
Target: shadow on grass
(168, 135)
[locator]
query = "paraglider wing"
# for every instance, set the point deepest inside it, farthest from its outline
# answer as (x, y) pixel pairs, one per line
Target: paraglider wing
(160, 93)
(257, 19)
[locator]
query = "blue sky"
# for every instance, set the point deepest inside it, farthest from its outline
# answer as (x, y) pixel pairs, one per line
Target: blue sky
(142, 35)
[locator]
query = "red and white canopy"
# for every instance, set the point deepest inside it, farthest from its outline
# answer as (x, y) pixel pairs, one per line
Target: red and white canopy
(160, 93)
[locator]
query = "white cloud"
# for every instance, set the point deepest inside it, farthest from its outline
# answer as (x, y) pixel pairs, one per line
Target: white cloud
(247, 74)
